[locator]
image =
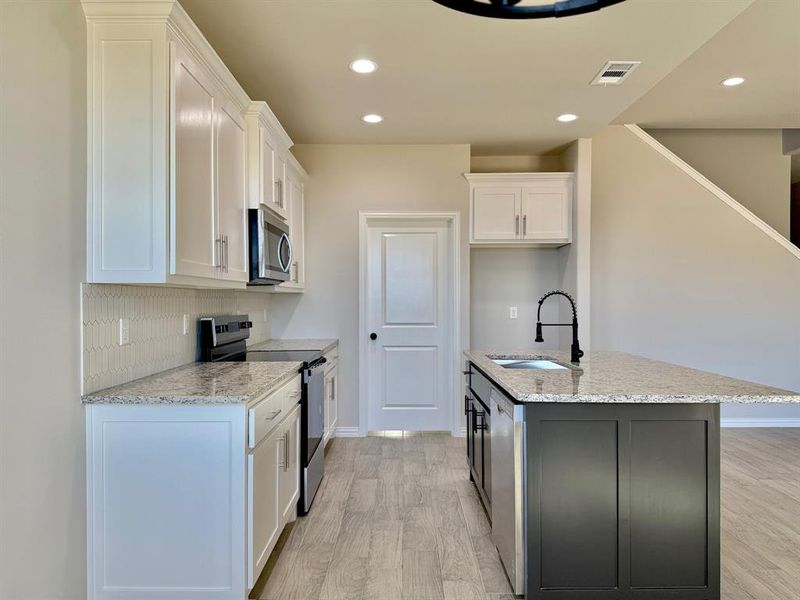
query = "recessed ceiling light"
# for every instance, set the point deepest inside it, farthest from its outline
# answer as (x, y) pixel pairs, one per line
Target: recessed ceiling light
(733, 81)
(372, 118)
(567, 117)
(363, 66)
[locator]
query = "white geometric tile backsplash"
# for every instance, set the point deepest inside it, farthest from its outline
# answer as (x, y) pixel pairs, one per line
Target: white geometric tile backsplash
(156, 314)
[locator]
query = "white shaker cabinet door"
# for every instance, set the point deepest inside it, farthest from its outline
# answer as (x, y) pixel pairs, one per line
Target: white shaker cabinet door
(263, 509)
(290, 473)
(281, 190)
(495, 213)
(194, 248)
(546, 212)
(333, 400)
(267, 168)
(231, 197)
(297, 221)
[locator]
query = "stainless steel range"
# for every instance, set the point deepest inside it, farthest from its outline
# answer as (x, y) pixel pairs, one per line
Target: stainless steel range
(223, 338)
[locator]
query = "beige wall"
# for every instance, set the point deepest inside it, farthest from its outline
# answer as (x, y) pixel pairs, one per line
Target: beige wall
(515, 164)
(42, 206)
(344, 180)
(680, 276)
(747, 163)
(505, 277)
(575, 258)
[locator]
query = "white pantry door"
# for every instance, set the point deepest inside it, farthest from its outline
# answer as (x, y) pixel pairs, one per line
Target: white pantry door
(408, 366)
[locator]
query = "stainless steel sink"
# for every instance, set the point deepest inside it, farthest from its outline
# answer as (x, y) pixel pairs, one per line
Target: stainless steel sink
(544, 363)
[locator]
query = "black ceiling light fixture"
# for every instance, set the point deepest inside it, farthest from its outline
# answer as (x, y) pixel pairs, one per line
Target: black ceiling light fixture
(516, 9)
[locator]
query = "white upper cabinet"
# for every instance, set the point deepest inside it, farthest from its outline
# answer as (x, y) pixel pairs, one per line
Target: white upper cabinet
(495, 212)
(166, 197)
(520, 209)
(545, 211)
(296, 178)
(268, 147)
(231, 197)
(194, 228)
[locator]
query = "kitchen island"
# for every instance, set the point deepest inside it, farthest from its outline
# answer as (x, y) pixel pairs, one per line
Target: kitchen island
(602, 481)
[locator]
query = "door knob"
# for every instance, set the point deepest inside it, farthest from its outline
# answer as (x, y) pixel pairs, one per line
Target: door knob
(373, 336)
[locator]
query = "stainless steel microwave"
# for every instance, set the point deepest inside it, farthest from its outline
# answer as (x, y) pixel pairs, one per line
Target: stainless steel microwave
(270, 247)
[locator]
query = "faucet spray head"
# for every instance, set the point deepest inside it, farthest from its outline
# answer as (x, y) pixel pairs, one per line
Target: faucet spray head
(539, 337)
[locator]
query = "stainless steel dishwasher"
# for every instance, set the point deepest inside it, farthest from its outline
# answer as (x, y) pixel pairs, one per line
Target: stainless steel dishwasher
(508, 487)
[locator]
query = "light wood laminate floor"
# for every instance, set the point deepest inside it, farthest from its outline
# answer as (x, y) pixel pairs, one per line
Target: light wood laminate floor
(397, 518)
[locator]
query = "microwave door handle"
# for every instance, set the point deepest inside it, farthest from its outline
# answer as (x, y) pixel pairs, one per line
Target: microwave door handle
(291, 255)
(284, 240)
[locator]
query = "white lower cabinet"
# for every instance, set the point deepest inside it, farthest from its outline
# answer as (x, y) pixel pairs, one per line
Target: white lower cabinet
(290, 473)
(273, 483)
(331, 406)
(263, 512)
(180, 504)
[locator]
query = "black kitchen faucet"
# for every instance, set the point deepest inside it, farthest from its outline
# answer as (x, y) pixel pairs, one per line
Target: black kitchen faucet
(576, 347)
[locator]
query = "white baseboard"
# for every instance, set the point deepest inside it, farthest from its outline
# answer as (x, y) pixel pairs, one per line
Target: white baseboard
(756, 422)
(460, 432)
(348, 432)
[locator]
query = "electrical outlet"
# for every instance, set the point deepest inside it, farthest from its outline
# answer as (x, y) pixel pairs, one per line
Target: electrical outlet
(512, 312)
(185, 324)
(124, 332)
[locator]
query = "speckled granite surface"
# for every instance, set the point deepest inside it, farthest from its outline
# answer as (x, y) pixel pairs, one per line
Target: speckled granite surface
(619, 377)
(322, 345)
(201, 383)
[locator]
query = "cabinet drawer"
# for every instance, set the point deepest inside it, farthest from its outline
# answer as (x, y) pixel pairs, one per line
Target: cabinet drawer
(265, 415)
(291, 394)
(480, 386)
(333, 357)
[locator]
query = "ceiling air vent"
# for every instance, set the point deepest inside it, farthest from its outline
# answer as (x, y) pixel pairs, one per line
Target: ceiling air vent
(615, 72)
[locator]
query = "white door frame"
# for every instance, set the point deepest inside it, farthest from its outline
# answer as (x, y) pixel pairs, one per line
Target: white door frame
(454, 219)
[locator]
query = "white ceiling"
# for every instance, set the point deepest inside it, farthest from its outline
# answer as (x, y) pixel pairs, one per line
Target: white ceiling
(447, 77)
(762, 44)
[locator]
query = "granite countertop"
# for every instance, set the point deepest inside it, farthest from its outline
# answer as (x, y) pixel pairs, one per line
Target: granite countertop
(619, 377)
(323, 345)
(201, 383)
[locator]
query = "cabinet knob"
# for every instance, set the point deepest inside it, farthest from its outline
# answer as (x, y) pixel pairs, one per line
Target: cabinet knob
(373, 336)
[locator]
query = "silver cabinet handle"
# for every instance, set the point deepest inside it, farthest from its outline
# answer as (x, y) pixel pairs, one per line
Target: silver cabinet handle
(286, 451)
(279, 192)
(218, 252)
(516, 225)
(273, 415)
(224, 253)
(524, 225)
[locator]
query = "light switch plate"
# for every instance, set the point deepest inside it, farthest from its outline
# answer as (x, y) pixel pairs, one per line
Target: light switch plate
(124, 332)
(512, 312)
(185, 324)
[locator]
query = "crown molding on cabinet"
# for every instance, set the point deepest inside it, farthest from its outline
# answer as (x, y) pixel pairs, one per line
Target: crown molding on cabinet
(171, 14)
(261, 111)
(298, 168)
(517, 177)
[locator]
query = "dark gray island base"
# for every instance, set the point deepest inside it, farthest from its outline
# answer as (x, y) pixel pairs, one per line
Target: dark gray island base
(623, 501)
(616, 476)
